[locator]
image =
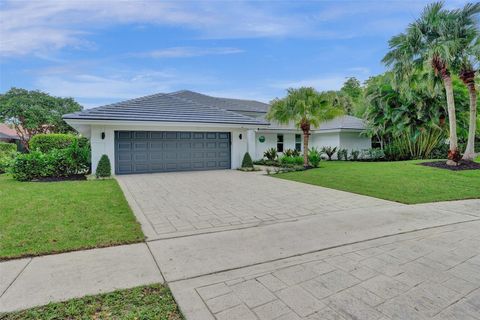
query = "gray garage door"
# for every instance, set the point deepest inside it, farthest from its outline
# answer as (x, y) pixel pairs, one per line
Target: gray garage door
(163, 151)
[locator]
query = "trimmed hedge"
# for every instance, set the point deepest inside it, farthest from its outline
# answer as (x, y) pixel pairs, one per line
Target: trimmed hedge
(104, 169)
(74, 160)
(7, 153)
(247, 161)
(51, 141)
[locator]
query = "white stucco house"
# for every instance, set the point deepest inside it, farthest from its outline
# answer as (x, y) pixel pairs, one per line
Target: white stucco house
(185, 130)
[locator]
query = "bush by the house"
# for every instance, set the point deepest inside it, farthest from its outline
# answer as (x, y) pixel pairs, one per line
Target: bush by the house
(372, 154)
(51, 141)
(57, 163)
(247, 161)
(291, 152)
(7, 154)
(104, 168)
(342, 154)
(266, 162)
(271, 154)
(314, 157)
(354, 155)
(291, 160)
(329, 151)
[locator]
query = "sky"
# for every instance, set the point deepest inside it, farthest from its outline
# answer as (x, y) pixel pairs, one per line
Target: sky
(99, 52)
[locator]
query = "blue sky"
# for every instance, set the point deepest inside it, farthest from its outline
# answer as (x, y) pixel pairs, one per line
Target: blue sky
(100, 52)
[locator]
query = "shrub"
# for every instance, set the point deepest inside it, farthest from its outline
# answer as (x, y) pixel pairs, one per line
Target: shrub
(342, 154)
(291, 153)
(30, 166)
(264, 162)
(372, 154)
(270, 154)
(286, 160)
(70, 161)
(314, 157)
(354, 155)
(103, 169)
(7, 153)
(48, 142)
(329, 151)
(247, 161)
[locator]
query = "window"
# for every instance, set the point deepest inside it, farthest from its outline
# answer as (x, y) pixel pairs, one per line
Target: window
(280, 142)
(298, 142)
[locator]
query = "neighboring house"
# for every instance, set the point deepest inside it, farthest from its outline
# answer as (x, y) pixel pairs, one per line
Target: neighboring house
(185, 130)
(8, 134)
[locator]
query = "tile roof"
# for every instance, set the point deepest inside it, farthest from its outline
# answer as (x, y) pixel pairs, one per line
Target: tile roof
(173, 107)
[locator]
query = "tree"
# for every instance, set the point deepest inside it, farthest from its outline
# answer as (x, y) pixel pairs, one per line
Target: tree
(33, 112)
(431, 42)
(306, 108)
(467, 28)
(104, 169)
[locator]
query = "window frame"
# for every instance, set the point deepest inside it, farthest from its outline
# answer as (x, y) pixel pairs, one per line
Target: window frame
(299, 142)
(280, 142)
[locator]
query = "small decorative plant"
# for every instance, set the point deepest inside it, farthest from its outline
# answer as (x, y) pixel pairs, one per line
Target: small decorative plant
(291, 153)
(342, 154)
(329, 151)
(314, 157)
(354, 154)
(104, 169)
(247, 161)
(271, 154)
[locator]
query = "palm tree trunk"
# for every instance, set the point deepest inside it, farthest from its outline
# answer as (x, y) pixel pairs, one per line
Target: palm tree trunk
(453, 152)
(306, 135)
(469, 153)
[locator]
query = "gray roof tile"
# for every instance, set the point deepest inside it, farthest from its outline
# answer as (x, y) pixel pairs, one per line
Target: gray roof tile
(163, 107)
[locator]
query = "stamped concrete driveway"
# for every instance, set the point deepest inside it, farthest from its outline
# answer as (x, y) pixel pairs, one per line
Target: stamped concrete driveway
(234, 245)
(185, 203)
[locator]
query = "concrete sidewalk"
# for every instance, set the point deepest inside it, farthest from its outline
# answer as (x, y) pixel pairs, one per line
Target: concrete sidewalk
(35, 281)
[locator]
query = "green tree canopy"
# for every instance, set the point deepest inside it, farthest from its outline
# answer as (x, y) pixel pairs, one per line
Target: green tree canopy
(33, 112)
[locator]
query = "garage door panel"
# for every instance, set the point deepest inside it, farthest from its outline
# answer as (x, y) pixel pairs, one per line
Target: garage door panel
(161, 151)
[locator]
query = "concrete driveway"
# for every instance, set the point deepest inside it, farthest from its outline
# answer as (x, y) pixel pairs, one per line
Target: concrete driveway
(178, 204)
(235, 245)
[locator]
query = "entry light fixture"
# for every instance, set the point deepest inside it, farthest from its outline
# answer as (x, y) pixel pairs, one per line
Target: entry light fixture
(103, 135)
(240, 136)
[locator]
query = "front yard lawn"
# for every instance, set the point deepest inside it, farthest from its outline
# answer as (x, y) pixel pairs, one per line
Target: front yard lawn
(148, 302)
(49, 217)
(403, 181)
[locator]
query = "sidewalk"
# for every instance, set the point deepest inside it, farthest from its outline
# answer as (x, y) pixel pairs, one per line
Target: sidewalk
(35, 281)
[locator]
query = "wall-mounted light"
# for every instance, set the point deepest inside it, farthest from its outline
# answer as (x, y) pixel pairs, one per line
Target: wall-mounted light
(240, 136)
(103, 135)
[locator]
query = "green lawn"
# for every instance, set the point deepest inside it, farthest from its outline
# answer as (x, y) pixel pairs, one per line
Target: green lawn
(148, 302)
(48, 217)
(403, 181)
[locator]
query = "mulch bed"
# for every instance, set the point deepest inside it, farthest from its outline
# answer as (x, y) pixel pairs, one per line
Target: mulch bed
(56, 179)
(463, 165)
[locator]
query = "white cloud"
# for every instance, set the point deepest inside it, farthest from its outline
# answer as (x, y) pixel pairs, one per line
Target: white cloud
(186, 52)
(91, 89)
(30, 26)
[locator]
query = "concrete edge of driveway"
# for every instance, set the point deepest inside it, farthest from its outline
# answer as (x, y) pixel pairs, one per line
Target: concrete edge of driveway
(137, 211)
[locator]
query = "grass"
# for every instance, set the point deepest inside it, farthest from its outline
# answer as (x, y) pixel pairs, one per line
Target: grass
(49, 217)
(147, 302)
(404, 181)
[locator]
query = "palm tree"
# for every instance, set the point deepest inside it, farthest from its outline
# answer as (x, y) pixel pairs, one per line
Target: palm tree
(307, 108)
(466, 27)
(431, 42)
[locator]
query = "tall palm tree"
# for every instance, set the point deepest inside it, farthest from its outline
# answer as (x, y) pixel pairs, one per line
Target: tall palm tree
(466, 26)
(430, 42)
(305, 107)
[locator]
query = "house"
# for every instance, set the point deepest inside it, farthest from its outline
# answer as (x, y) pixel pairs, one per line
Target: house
(9, 135)
(185, 130)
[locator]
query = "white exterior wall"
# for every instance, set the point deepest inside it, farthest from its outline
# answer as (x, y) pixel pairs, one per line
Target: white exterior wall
(354, 141)
(339, 139)
(107, 145)
(271, 142)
